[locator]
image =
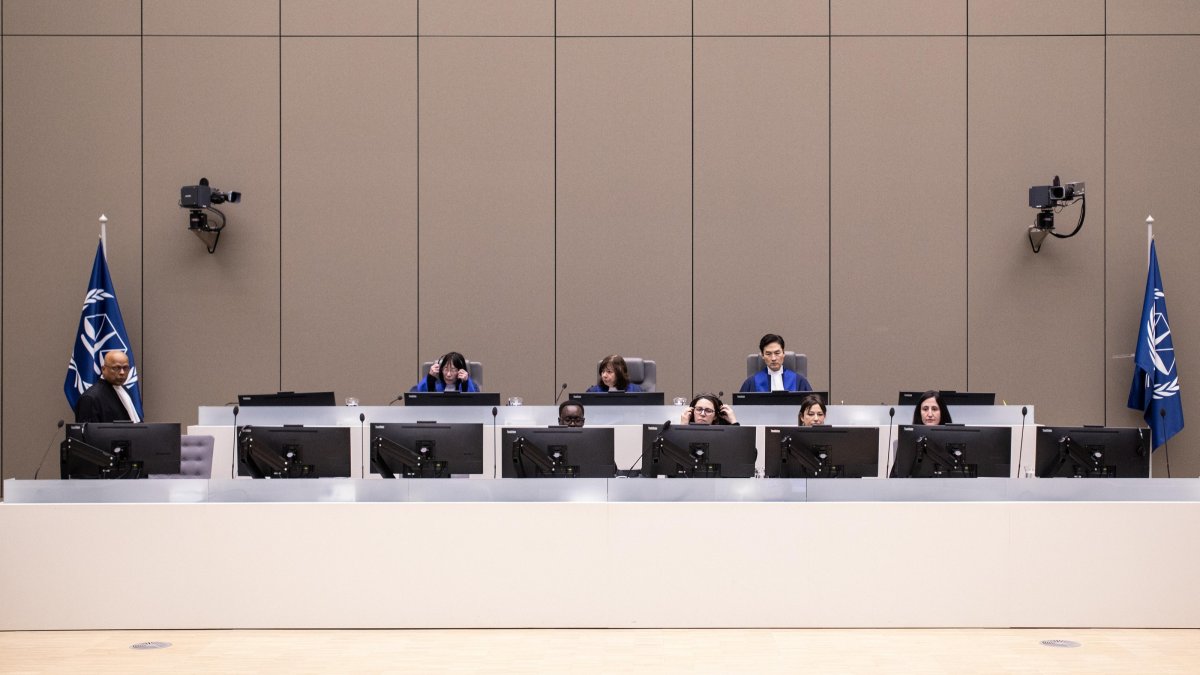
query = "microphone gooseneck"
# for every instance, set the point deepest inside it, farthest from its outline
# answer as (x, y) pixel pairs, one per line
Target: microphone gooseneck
(1021, 445)
(362, 418)
(233, 468)
(657, 441)
(495, 442)
(887, 469)
(560, 393)
(47, 452)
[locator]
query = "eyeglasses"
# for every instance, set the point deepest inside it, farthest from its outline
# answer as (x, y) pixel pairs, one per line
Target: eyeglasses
(571, 421)
(704, 412)
(118, 368)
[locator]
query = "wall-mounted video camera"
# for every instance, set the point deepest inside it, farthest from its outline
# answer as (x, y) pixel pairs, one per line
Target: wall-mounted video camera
(1048, 199)
(200, 200)
(202, 196)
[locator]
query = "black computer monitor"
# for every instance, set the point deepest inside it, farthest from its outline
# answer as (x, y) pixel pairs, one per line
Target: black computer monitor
(426, 449)
(557, 452)
(821, 452)
(119, 450)
(777, 397)
(481, 398)
(1092, 452)
(294, 452)
(953, 451)
(591, 398)
(288, 398)
(951, 397)
(698, 451)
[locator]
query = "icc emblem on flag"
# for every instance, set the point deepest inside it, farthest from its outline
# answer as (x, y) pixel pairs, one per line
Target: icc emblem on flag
(101, 330)
(1155, 386)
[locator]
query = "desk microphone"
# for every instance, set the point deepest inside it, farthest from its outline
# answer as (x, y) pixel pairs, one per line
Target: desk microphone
(1021, 447)
(236, 410)
(887, 473)
(495, 443)
(362, 418)
(47, 452)
(560, 392)
(398, 397)
(655, 442)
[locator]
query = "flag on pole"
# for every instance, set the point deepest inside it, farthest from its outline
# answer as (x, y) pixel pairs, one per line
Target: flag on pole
(101, 330)
(1155, 388)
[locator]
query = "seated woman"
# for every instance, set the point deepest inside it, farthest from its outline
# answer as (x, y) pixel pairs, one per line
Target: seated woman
(613, 375)
(448, 373)
(931, 409)
(812, 411)
(708, 409)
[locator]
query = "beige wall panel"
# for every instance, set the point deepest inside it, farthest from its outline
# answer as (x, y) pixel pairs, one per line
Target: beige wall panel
(1154, 166)
(898, 236)
(762, 17)
(72, 17)
(487, 17)
(212, 321)
(624, 17)
(898, 17)
(1036, 322)
(1036, 17)
(1153, 16)
(487, 211)
(624, 241)
(349, 17)
(762, 203)
(213, 17)
(70, 128)
(349, 226)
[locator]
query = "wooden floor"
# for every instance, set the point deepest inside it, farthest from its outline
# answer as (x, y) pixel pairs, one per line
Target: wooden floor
(604, 651)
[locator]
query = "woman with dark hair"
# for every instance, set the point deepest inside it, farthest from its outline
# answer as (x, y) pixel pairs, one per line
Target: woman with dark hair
(613, 375)
(448, 373)
(812, 411)
(708, 409)
(931, 409)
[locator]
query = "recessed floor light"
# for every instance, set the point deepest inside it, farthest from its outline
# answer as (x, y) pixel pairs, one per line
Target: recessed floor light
(1060, 643)
(150, 645)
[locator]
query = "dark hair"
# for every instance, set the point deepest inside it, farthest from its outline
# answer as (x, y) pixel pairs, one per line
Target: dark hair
(936, 396)
(617, 363)
(568, 402)
(808, 402)
(768, 339)
(453, 358)
(717, 419)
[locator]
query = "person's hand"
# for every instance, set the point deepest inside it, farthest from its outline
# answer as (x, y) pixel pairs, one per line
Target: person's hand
(435, 369)
(464, 374)
(686, 417)
(727, 414)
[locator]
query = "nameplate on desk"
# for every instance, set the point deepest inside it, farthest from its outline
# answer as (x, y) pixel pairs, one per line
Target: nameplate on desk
(776, 397)
(618, 397)
(446, 398)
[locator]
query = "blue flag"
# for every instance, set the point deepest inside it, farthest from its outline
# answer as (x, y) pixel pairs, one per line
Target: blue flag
(101, 330)
(1155, 387)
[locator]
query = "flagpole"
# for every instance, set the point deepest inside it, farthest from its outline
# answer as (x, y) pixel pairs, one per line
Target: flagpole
(1149, 237)
(104, 234)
